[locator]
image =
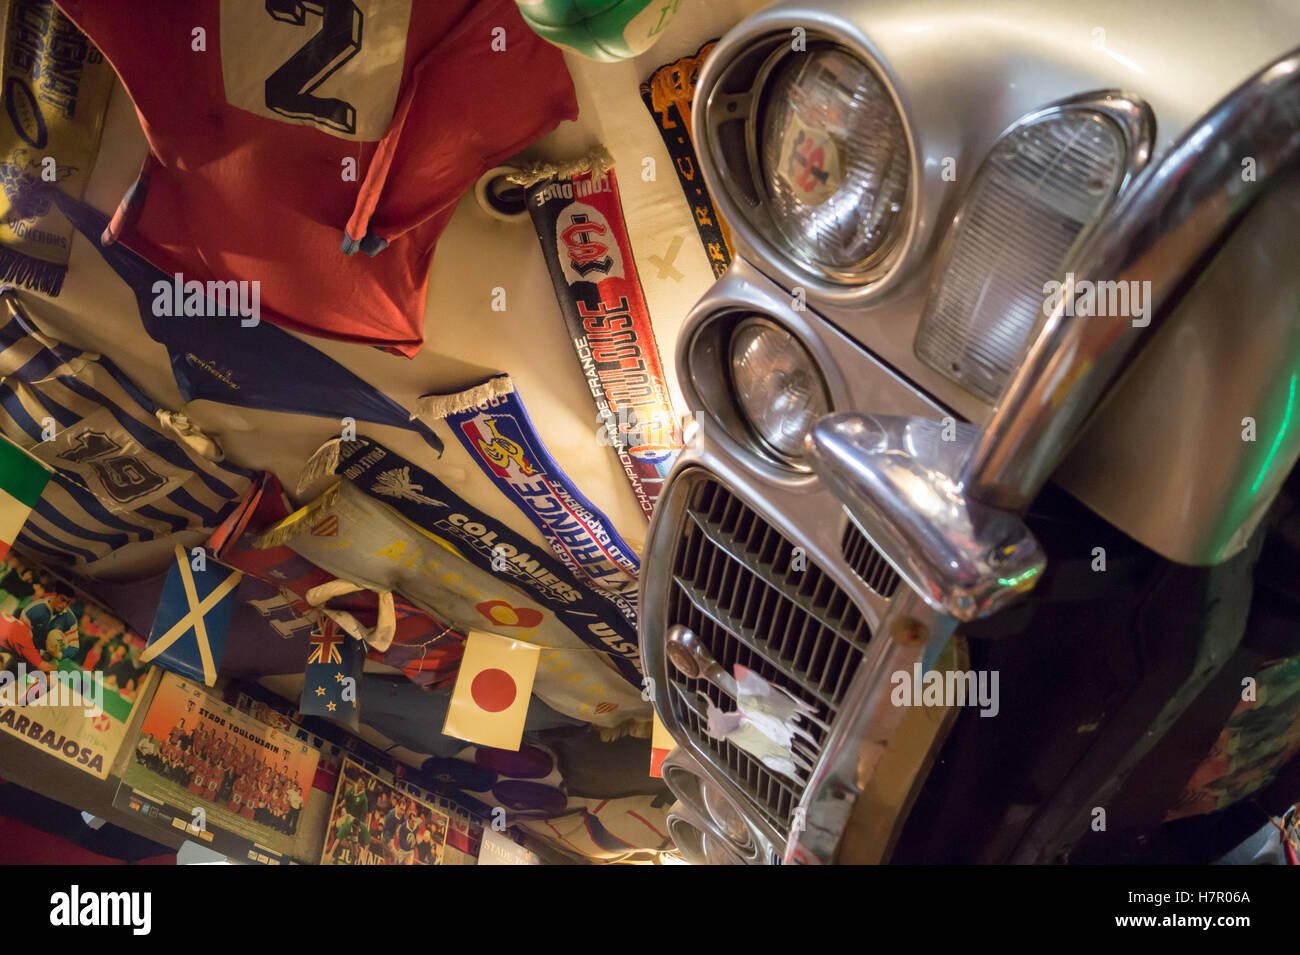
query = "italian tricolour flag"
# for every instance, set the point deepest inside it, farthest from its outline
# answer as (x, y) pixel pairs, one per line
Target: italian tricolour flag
(22, 479)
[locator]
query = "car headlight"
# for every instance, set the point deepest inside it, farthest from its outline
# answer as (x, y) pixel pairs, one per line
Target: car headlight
(778, 387)
(834, 161)
(725, 815)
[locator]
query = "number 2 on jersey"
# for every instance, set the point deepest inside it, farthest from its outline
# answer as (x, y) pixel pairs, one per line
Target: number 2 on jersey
(290, 89)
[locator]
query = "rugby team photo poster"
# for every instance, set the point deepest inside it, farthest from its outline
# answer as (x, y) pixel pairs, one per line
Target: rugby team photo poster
(70, 671)
(375, 823)
(228, 780)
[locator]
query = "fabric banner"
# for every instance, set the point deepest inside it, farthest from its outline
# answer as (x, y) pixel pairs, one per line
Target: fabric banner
(189, 632)
(50, 629)
(426, 502)
(669, 94)
(490, 702)
(424, 647)
(608, 830)
(356, 538)
(219, 354)
(579, 222)
(413, 717)
(490, 421)
(124, 469)
(56, 89)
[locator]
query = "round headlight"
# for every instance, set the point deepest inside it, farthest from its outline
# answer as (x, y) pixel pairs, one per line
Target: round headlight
(835, 161)
(778, 387)
(716, 853)
(725, 815)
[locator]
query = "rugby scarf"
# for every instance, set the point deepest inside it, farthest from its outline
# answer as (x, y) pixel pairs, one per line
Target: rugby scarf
(217, 357)
(356, 538)
(579, 220)
(490, 421)
(124, 470)
(481, 539)
(56, 88)
(423, 647)
(668, 94)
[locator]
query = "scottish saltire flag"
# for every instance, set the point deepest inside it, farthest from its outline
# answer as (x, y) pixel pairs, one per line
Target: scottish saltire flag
(189, 630)
(333, 675)
(220, 357)
(120, 474)
(22, 479)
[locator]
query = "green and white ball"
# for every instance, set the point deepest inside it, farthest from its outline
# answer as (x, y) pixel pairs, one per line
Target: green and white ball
(604, 30)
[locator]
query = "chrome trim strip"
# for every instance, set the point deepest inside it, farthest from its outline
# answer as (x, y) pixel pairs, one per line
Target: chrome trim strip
(911, 632)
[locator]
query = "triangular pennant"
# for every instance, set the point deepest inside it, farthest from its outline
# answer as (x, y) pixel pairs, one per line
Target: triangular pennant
(189, 629)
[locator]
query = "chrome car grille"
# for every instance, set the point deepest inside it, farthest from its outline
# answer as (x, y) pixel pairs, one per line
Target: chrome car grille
(868, 563)
(754, 599)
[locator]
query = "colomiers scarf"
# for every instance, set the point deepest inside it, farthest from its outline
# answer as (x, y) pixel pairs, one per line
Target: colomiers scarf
(354, 537)
(429, 503)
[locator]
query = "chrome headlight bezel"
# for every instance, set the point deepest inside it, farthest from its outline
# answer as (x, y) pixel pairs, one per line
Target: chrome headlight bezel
(748, 416)
(733, 92)
(707, 353)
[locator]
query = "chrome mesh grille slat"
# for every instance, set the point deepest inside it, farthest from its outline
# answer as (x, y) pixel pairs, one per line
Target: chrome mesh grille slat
(868, 563)
(737, 585)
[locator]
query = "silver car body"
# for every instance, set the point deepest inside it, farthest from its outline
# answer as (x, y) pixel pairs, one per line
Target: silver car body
(1164, 459)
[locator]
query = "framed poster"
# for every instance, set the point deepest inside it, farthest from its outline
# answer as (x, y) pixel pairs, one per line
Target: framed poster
(226, 779)
(70, 675)
(374, 822)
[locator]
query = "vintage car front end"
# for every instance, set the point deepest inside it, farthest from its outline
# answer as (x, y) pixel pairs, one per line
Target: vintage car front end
(902, 451)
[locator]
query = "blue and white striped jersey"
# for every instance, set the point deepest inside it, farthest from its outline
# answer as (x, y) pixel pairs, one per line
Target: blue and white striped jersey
(121, 475)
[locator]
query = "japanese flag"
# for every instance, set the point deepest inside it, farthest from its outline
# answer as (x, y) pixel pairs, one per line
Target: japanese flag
(490, 701)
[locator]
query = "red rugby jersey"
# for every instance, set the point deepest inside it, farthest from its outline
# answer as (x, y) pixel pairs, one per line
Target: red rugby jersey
(249, 137)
